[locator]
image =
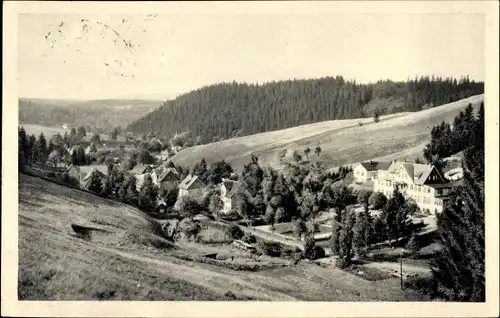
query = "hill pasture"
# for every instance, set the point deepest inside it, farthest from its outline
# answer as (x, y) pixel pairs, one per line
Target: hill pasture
(395, 136)
(126, 258)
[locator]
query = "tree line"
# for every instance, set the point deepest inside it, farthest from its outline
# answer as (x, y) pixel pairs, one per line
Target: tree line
(458, 268)
(227, 110)
(98, 115)
(449, 139)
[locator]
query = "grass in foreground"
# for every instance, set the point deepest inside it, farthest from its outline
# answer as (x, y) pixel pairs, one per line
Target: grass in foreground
(117, 264)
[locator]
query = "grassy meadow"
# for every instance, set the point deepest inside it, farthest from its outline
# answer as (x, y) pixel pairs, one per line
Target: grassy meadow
(401, 135)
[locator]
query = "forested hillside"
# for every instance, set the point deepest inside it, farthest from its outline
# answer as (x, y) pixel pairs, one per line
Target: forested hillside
(234, 109)
(101, 115)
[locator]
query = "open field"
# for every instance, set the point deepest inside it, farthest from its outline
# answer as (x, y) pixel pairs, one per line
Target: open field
(47, 131)
(342, 141)
(129, 259)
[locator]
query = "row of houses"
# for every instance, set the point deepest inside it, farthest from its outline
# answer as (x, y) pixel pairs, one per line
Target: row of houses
(163, 177)
(420, 182)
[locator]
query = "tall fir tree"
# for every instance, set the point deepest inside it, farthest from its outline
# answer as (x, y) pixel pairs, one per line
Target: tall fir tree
(459, 267)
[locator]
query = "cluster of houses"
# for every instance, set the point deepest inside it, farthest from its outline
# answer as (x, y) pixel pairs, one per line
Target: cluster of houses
(420, 182)
(163, 177)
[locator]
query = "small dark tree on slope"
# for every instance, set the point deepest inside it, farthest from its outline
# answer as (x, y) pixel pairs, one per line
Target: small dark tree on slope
(377, 200)
(147, 194)
(395, 215)
(458, 269)
(363, 233)
(376, 118)
(346, 251)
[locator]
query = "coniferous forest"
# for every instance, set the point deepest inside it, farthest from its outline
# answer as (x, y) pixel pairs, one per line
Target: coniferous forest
(227, 110)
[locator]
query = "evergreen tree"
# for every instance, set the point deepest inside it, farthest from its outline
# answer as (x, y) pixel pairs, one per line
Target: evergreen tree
(252, 176)
(96, 183)
(42, 144)
(345, 241)
(114, 133)
(216, 204)
(363, 197)
(200, 169)
(147, 194)
(394, 215)
(81, 132)
(458, 268)
(219, 170)
(270, 216)
(334, 240)
(363, 233)
(299, 228)
(307, 151)
(317, 151)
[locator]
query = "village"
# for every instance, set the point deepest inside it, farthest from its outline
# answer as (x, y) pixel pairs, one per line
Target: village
(221, 195)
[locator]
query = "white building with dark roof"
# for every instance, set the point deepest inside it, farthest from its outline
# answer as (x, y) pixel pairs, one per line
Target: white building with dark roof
(420, 182)
(366, 171)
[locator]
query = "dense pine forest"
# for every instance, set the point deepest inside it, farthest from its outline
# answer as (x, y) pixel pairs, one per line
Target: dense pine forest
(227, 110)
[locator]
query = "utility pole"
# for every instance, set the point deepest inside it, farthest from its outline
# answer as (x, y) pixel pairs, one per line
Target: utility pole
(401, 268)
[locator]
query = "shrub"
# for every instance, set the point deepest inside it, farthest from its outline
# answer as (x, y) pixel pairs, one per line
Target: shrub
(230, 295)
(311, 250)
(189, 228)
(413, 244)
(248, 238)
(377, 200)
(235, 232)
(270, 248)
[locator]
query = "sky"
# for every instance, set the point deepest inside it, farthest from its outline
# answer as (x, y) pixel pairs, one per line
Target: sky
(95, 56)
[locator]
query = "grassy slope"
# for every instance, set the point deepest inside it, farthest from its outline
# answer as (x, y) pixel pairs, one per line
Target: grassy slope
(55, 265)
(342, 141)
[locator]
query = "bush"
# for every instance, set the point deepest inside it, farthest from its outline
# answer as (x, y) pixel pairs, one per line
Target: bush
(413, 244)
(311, 250)
(377, 200)
(189, 228)
(68, 180)
(235, 232)
(270, 248)
(248, 238)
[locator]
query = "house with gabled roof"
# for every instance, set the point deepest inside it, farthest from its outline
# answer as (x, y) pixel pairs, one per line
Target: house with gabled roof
(369, 170)
(420, 182)
(168, 179)
(141, 168)
(87, 177)
(191, 185)
(161, 206)
(229, 194)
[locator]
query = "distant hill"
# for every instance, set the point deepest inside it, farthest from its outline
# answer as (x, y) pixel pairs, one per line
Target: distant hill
(401, 135)
(228, 110)
(104, 114)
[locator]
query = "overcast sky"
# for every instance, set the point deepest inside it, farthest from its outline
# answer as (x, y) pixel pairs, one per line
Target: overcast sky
(84, 58)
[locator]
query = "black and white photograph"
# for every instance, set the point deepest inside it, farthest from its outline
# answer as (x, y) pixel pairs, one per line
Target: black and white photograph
(252, 151)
